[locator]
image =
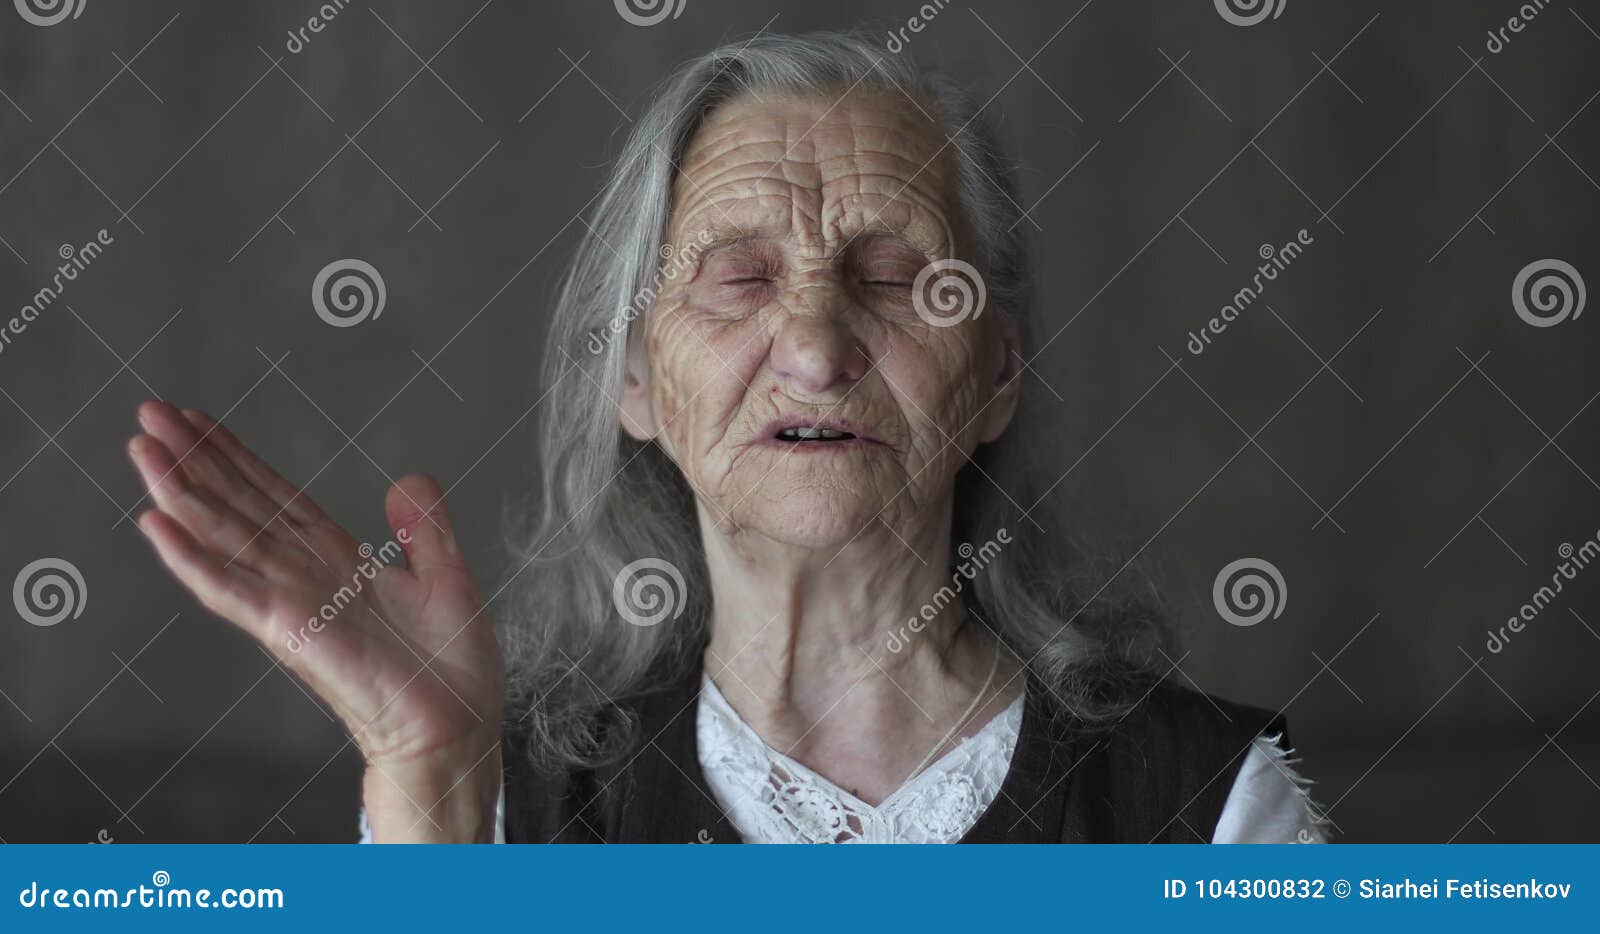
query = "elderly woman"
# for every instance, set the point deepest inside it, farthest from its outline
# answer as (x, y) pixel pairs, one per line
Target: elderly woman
(779, 588)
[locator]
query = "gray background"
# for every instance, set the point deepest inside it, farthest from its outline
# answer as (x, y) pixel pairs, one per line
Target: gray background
(1450, 442)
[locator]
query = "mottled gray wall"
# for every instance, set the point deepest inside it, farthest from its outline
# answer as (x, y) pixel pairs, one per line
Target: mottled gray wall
(1413, 492)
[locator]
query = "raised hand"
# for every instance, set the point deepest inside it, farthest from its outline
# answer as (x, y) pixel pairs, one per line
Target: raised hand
(404, 656)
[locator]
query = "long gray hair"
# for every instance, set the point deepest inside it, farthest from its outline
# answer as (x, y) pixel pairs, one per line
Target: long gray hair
(605, 501)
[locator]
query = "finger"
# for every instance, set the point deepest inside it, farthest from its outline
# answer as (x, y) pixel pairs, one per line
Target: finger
(415, 510)
(233, 592)
(209, 520)
(205, 463)
(285, 495)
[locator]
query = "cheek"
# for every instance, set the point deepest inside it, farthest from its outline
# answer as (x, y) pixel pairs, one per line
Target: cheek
(940, 382)
(699, 371)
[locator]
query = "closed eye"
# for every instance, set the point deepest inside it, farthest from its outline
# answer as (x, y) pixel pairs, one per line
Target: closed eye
(885, 263)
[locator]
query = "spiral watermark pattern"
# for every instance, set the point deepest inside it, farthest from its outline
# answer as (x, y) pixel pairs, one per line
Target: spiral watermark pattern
(1250, 12)
(1547, 292)
(947, 292)
(649, 12)
(50, 12)
(1248, 591)
(648, 591)
(49, 590)
(347, 292)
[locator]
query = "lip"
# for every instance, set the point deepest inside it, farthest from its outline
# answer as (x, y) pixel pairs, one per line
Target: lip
(769, 435)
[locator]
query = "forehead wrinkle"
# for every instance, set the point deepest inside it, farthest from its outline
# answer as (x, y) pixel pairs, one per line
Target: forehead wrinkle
(767, 155)
(848, 126)
(718, 135)
(735, 215)
(779, 178)
(758, 202)
(734, 183)
(792, 214)
(921, 229)
(912, 217)
(827, 179)
(862, 162)
(776, 159)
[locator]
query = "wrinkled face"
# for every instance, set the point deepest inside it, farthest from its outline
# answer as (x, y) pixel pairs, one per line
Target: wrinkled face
(787, 370)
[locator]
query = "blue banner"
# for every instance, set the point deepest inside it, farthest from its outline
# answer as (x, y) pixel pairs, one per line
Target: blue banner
(890, 888)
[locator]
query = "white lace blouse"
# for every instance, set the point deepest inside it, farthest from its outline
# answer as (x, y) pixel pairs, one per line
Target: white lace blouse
(770, 798)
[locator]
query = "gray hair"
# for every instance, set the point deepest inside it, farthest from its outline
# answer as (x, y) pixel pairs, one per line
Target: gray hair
(605, 501)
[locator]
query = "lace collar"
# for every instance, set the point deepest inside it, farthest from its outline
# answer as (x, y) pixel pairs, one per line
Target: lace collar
(770, 798)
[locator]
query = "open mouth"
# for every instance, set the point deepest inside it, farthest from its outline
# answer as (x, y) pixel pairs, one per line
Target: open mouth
(801, 434)
(817, 432)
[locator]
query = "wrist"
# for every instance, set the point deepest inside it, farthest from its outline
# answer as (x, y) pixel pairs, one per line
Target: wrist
(440, 799)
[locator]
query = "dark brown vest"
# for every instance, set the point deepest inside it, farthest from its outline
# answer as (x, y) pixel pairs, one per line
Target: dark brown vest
(1161, 774)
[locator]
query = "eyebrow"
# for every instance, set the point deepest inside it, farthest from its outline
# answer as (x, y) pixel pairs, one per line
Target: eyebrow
(722, 234)
(889, 233)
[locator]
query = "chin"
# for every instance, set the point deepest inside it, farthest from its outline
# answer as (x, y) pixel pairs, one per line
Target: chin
(817, 519)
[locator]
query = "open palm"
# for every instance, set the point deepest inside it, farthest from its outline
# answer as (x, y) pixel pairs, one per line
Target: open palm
(404, 656)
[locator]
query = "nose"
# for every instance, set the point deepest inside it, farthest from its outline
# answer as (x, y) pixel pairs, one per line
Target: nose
(816, 353)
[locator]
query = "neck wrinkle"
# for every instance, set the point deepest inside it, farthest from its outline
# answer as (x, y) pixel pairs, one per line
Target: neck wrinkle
(799, 637)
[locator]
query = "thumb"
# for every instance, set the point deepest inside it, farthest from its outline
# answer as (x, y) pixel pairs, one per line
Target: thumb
(415, 509)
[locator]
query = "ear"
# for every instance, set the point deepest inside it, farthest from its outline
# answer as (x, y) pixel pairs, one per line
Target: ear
(634, 409)
(1007, 384)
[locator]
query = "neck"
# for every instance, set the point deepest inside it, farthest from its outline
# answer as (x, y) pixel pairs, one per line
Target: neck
(818, 651)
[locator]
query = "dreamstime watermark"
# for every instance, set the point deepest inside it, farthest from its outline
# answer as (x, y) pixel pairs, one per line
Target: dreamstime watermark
(973, 560)
(1573, 560)
(1277, 259)
(898, 40)
(160, 893)
(315, 23)
(50, 12)
(648, 591)
(947, 292)
(1248, 591)
(1547, 292)
(347, 292)
(1250, 12)
(1517, 22)
(373, 561)
(650, 12)
(48, 591)
(675, 261)
(74, 261)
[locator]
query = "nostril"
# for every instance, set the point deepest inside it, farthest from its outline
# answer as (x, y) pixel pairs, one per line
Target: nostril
(856, 362)
(815, 355)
